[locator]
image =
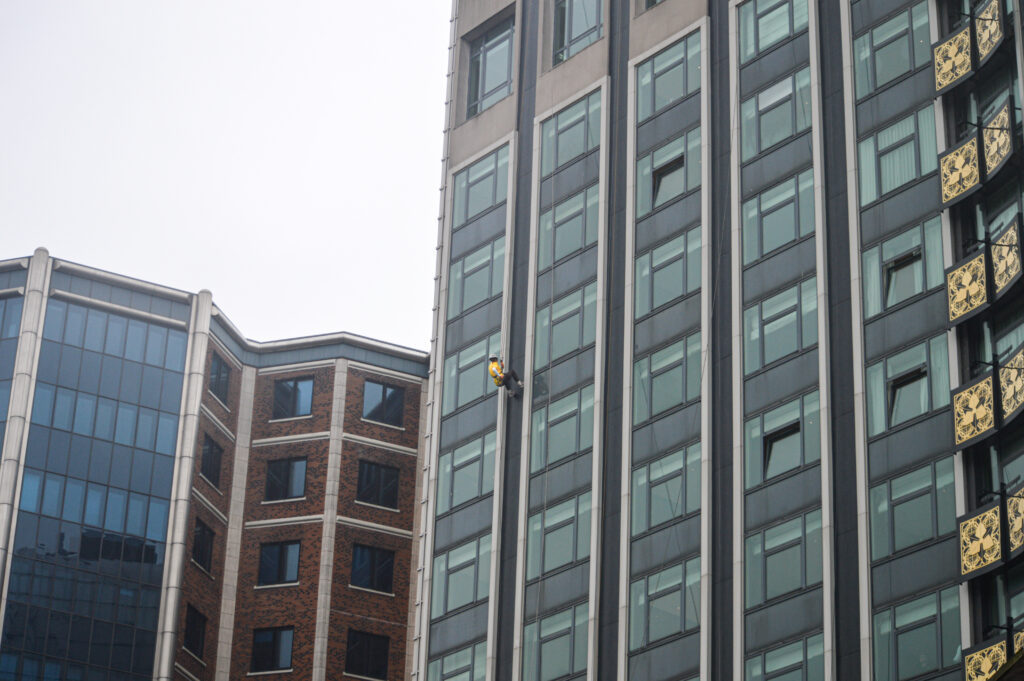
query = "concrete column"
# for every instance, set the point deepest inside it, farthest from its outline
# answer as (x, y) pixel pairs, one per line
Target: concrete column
(323, 597)
(20, 406)
(177, 526)
(236, 512)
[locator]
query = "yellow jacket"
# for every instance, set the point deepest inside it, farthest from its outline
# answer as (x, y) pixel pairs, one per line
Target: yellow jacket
(497, 372)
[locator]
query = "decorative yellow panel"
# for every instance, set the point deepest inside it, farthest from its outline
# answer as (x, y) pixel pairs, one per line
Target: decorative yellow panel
(1011, 384)
(952, 59)
(959, 171)
(980, 543)
(973, 411)
(1005, 253)
(1015, 525)
(1018, 641)
(966, 288)
(988, 29)
(983, 664)
(996, 138)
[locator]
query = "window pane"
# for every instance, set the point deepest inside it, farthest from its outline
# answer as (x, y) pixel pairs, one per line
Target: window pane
(912, 521)
(783, 572)
(916, 651)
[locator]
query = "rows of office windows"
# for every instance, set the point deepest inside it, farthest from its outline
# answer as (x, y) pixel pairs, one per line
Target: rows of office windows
(892, 49)
(667, 378)
(665, 489)
(782, 559)
(780, 326)
(667, 272)
(782, 439)
(664, 603)
(466, 664)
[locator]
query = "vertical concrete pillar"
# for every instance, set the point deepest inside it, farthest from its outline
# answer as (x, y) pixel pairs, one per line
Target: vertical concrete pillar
(177, 525)
(20, 406)
(236, 512)
(323, 596)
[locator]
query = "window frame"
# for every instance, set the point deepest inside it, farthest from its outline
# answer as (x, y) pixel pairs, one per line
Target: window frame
(757, 457)
(924, 151)
(663, 471)
(551, 221)
(936, 387)
(492, 167)
(866, 52)
(277, 640)
(291, 410)
(754, 215)
(546, 323)
(449, 464)
(660, 65)
(441, 588)
(480, 49)
(388, 392)
(551, 131)
(382, 485)
(471, 660)
(564, 46)
(799, 89)
(493, 264)
(792, 19)
(355, 644)
(203, 537)
(194, 637)
(876, 268)
(578, 641)
(287, 484)
(688, 351)
(813, 647)
(538, 531)
(219, 383)
(641, 597)
(379, 559)
(211, 460)
(468, 364)
(283, 563)
(890, 639)
(883, 521)
(804, 310)
(756, 559)
(685, 248)
(652, 172)
(542, 426)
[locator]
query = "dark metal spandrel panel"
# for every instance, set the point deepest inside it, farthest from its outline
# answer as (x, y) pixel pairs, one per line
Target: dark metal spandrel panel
(917, 573)
(567, 276)
(680, 319)
(895, 101)
(476, 324)
(469, 422)
(790, 378)
(570, 180)
(668, 124)
(665, 546)
(678, 659)
(903, 208)
(783, 498)
(458, 630)
(459, 526)
(787, 266)
(914, 444)
(561, 481)
(477, 232)
(774, 64)
(796, 615)
(552, 593)
(767, 170)
(665, 222)
(678, 428)
(921, 319)
(556, 381)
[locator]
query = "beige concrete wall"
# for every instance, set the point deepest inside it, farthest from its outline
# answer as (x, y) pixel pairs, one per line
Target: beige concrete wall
(651, 27)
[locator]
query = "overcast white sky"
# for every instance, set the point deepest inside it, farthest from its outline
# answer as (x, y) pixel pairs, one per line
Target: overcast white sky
(284, 154)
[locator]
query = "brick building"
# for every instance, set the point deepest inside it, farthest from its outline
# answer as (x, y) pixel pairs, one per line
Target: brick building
(179, 502)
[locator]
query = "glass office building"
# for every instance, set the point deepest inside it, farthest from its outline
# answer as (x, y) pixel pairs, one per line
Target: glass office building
(757, 263)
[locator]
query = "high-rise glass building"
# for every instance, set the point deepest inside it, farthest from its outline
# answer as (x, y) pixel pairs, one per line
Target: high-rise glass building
(757, 262)
(180, 502)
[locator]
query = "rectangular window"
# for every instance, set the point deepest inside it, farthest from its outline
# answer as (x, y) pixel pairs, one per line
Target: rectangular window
(377, 484)
(892, 49)
(917, 637)
(195, 631)
(565, 326)
(465, 374)
(372, 568)
(907, 385)
(367, 655)
(764, 23)
(279, 563)
(570, 133)
(562, 428)
(668, 272)
(783, 558)
(667, 77)
(780, 326)
(912, 508)
(461, 576)
(467, 664)
(209, 467)
(577, 25)
(666, 489)
(798, 661)
(896, 155)
(568, 227)
(220, 377)
(477, 277)
(668, 172)
(782, 439)
(465, 473)
(556, 645)
(902, 267)
(271, 649)
(558, 536)
(664, 603)
(480, 187)
(778, 216)
(666, 378)
(490, 68)
(383, 403)
(293, 397)
(776, 114)
(202, 545)
(286, 479)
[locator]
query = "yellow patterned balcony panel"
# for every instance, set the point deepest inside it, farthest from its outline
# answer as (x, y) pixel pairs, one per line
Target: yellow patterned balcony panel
(952, 59)
(959, 171)
(1011, 385)
(1018, 641)
(982, 662)
(1005, 254)
(988, 30)
(1015, 531)
(966, 289)
(974, 416)
(996, 140)
(981, 545)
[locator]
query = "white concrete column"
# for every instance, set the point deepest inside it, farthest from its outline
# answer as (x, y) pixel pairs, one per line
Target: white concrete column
(20, 406)
(236, 512)
(177, 524)
(323, 596)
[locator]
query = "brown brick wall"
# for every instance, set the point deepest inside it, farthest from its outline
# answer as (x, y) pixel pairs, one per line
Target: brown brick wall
(394, 609)
(407, 436)
(316, 453)
(277, 606)
(263, 405)
(202, 590)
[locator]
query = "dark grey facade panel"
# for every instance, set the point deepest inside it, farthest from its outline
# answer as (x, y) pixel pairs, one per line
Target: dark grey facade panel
(774, 64)
(911, 445)
(473, 325)
(676, 321)
(895, 100)
(468, 521)
(668, 221)
(665, 546)
(470, 422)
(556, 591)
(559, 482)
(795, 616)
(570, 373)
(800, 491)
(668, 124)
(922, 571)
(769, 169)
(667, 433)
(677, 659)
(570, 180)
(921, 319)
(900, 210)
(452, 633)
(478, 231)
(783, 268)
(567, 276)
(781, 382)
